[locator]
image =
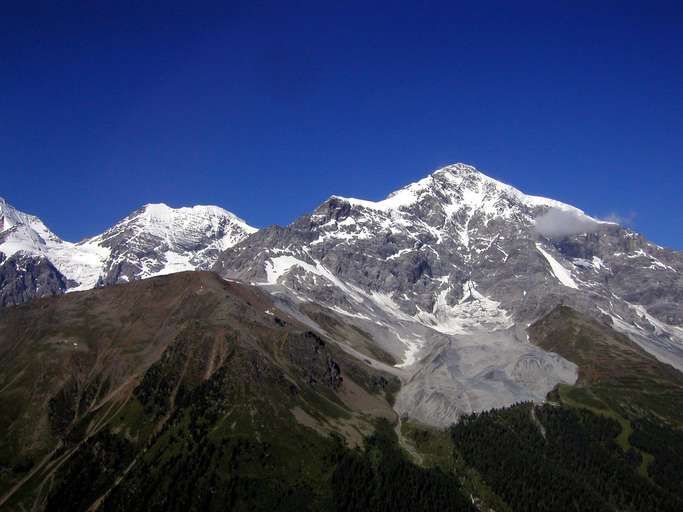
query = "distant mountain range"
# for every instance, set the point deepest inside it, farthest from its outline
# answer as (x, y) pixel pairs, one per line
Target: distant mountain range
(456, 294)
(151, 241)
(443, 277)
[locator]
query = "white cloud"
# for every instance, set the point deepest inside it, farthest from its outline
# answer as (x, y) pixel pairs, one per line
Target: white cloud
(557, 223)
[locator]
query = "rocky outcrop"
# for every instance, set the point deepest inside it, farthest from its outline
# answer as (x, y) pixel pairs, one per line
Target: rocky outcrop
(308, 351)
(24, 277)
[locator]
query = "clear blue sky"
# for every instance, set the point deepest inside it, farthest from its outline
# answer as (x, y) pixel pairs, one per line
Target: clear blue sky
(268, 108)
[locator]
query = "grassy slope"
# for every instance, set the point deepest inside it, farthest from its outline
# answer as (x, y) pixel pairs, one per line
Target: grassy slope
(583, 398)
(617, 379)
(557, 458)
(192, 394)
(617, 372)
(205, 402)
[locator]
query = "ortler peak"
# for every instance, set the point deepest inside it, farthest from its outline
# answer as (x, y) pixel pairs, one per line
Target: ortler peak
(444, 276)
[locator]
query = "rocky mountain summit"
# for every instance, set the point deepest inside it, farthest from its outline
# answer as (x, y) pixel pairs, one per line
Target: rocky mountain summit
(446, 274)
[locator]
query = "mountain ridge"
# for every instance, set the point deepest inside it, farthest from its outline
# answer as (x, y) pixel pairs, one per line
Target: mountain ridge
(443, 277)
(188, 391)
(319, 365)
(454, 171)
(166, 240)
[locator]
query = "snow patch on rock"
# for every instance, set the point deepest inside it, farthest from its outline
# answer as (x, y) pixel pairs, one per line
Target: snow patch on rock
(563, 275)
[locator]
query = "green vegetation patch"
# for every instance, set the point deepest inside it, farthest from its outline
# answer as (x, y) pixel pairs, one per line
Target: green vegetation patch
(558, 459)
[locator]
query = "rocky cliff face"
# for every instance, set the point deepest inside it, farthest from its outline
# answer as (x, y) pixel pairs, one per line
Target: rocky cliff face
(447, 273)
(24, 276)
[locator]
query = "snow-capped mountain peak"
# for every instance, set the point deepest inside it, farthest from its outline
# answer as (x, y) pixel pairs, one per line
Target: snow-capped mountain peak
(24, 233)
(154, 239)
(459, 260)
(20, 231)
(461, 185)
(185, 225)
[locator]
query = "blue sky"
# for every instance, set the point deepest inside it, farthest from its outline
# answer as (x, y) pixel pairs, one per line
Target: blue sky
(268, 108)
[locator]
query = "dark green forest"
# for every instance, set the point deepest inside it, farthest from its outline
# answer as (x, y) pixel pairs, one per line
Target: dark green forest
(238, 473)
(559, 459)
(530, 457)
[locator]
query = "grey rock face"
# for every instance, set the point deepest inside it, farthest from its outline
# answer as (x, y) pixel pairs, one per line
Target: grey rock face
(24, 277)
(479, 371)
(447, 273)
